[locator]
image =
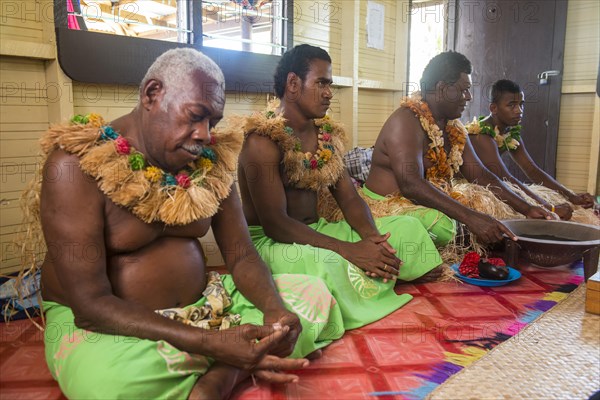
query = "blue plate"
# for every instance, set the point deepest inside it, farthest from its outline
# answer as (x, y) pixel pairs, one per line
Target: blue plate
(513, 275)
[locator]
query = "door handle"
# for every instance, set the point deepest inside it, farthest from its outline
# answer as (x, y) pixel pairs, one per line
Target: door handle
(543, 76)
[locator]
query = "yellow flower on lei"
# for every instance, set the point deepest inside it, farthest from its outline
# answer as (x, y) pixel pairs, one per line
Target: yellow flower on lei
(153, 174)
(95, 119)
(326, 154)
(206, 164)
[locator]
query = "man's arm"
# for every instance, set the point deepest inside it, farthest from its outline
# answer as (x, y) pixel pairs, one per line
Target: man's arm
(474, 171)
(403, 138)
(358, 215)
(355, 210)
(536, 174)
(487, 151)
(260, 159)
(72, 213)
(250, 274)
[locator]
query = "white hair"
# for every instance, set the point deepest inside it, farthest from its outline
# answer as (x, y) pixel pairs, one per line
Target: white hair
(174, 68)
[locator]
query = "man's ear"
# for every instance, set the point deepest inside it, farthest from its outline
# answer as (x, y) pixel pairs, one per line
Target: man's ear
(152, 92)
(493, 108)
(293, 82)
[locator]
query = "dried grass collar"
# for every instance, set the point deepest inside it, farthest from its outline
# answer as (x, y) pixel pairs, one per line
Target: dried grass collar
(150, 193)
(312, 171)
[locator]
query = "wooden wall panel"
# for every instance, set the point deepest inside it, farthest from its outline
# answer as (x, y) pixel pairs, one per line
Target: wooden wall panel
(23, 19)
(110, 101)
(574, 140)
(582, 42)
(379, 64)
(319, 24)
(244, 103)
(582, 51)
(23, 117)
(374, 107)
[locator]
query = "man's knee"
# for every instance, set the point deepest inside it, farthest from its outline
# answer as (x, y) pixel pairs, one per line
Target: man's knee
(443, 230)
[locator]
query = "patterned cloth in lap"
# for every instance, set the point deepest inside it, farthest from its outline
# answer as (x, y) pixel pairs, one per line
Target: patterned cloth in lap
(90, 365)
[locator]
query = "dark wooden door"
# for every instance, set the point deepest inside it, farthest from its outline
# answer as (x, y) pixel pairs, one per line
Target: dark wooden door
(517, 40)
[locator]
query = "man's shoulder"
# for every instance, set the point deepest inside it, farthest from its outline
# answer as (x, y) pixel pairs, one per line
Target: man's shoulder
(399, 120)
(259, 147)
(256, 141)
(60, 158)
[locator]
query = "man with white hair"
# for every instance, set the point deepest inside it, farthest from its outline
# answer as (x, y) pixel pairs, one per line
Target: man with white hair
(130, 312)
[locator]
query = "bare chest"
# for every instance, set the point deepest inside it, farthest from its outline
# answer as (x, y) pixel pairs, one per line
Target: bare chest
(125, 233)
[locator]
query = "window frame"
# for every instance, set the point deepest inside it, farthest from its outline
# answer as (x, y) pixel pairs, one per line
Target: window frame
(114, 59)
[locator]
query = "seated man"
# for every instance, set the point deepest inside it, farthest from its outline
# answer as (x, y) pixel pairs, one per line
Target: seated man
(290, 153)
(122, 206)
(500, 131)
(423, 145)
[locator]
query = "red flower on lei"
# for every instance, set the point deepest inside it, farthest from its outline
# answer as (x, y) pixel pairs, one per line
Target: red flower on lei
(183, 180)
(122, 145)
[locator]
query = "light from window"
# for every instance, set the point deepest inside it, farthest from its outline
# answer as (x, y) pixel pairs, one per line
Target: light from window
(427, 27)
(249, 25)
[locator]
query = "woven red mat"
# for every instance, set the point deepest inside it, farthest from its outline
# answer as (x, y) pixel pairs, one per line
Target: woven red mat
(405, 355)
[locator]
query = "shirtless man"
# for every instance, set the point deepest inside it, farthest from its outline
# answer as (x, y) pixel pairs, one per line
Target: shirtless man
(500, 131)
(290, 153)
(122, 206)
(407, 163)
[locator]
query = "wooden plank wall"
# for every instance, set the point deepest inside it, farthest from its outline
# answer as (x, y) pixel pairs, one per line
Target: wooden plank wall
(376, 64)
(375, 81)
(23, 116)
(578, 139)
(370, 86)
(375, 107)
(319, 24)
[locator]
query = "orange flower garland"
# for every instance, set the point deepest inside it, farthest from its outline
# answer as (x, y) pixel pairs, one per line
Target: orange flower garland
(444, 167)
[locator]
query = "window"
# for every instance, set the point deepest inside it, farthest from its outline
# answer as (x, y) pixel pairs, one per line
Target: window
(115, 41)
(427, 33)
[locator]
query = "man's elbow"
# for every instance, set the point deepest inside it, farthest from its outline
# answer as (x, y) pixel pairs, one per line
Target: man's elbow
(411, 188)
(275, 229)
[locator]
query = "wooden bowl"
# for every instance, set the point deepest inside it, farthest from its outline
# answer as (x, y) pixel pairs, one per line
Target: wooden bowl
(553, 243)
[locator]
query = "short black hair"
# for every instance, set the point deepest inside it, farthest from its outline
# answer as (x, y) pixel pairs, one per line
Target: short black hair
(296, 60)
(503, 86)
(445, 67)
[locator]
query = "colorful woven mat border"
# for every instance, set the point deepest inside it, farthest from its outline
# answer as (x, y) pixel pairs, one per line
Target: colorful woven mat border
(456, 362)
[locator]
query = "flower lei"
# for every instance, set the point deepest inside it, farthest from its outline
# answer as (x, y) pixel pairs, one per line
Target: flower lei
(510, 140)
(312, 171)
(192, 174)
(325, 149)
(444, 167)
(148, 192)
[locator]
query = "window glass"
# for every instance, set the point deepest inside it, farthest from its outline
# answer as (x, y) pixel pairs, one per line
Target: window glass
(249, 25)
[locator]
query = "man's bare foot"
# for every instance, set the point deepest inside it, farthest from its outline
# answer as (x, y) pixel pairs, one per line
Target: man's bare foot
(201, 391)
(432, 276)
(315, 355)
(218, 382)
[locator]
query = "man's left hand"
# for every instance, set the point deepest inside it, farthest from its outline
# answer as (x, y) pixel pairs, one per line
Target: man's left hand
(584, 200)
(279, 319)
(564, 211)
(536, 212)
